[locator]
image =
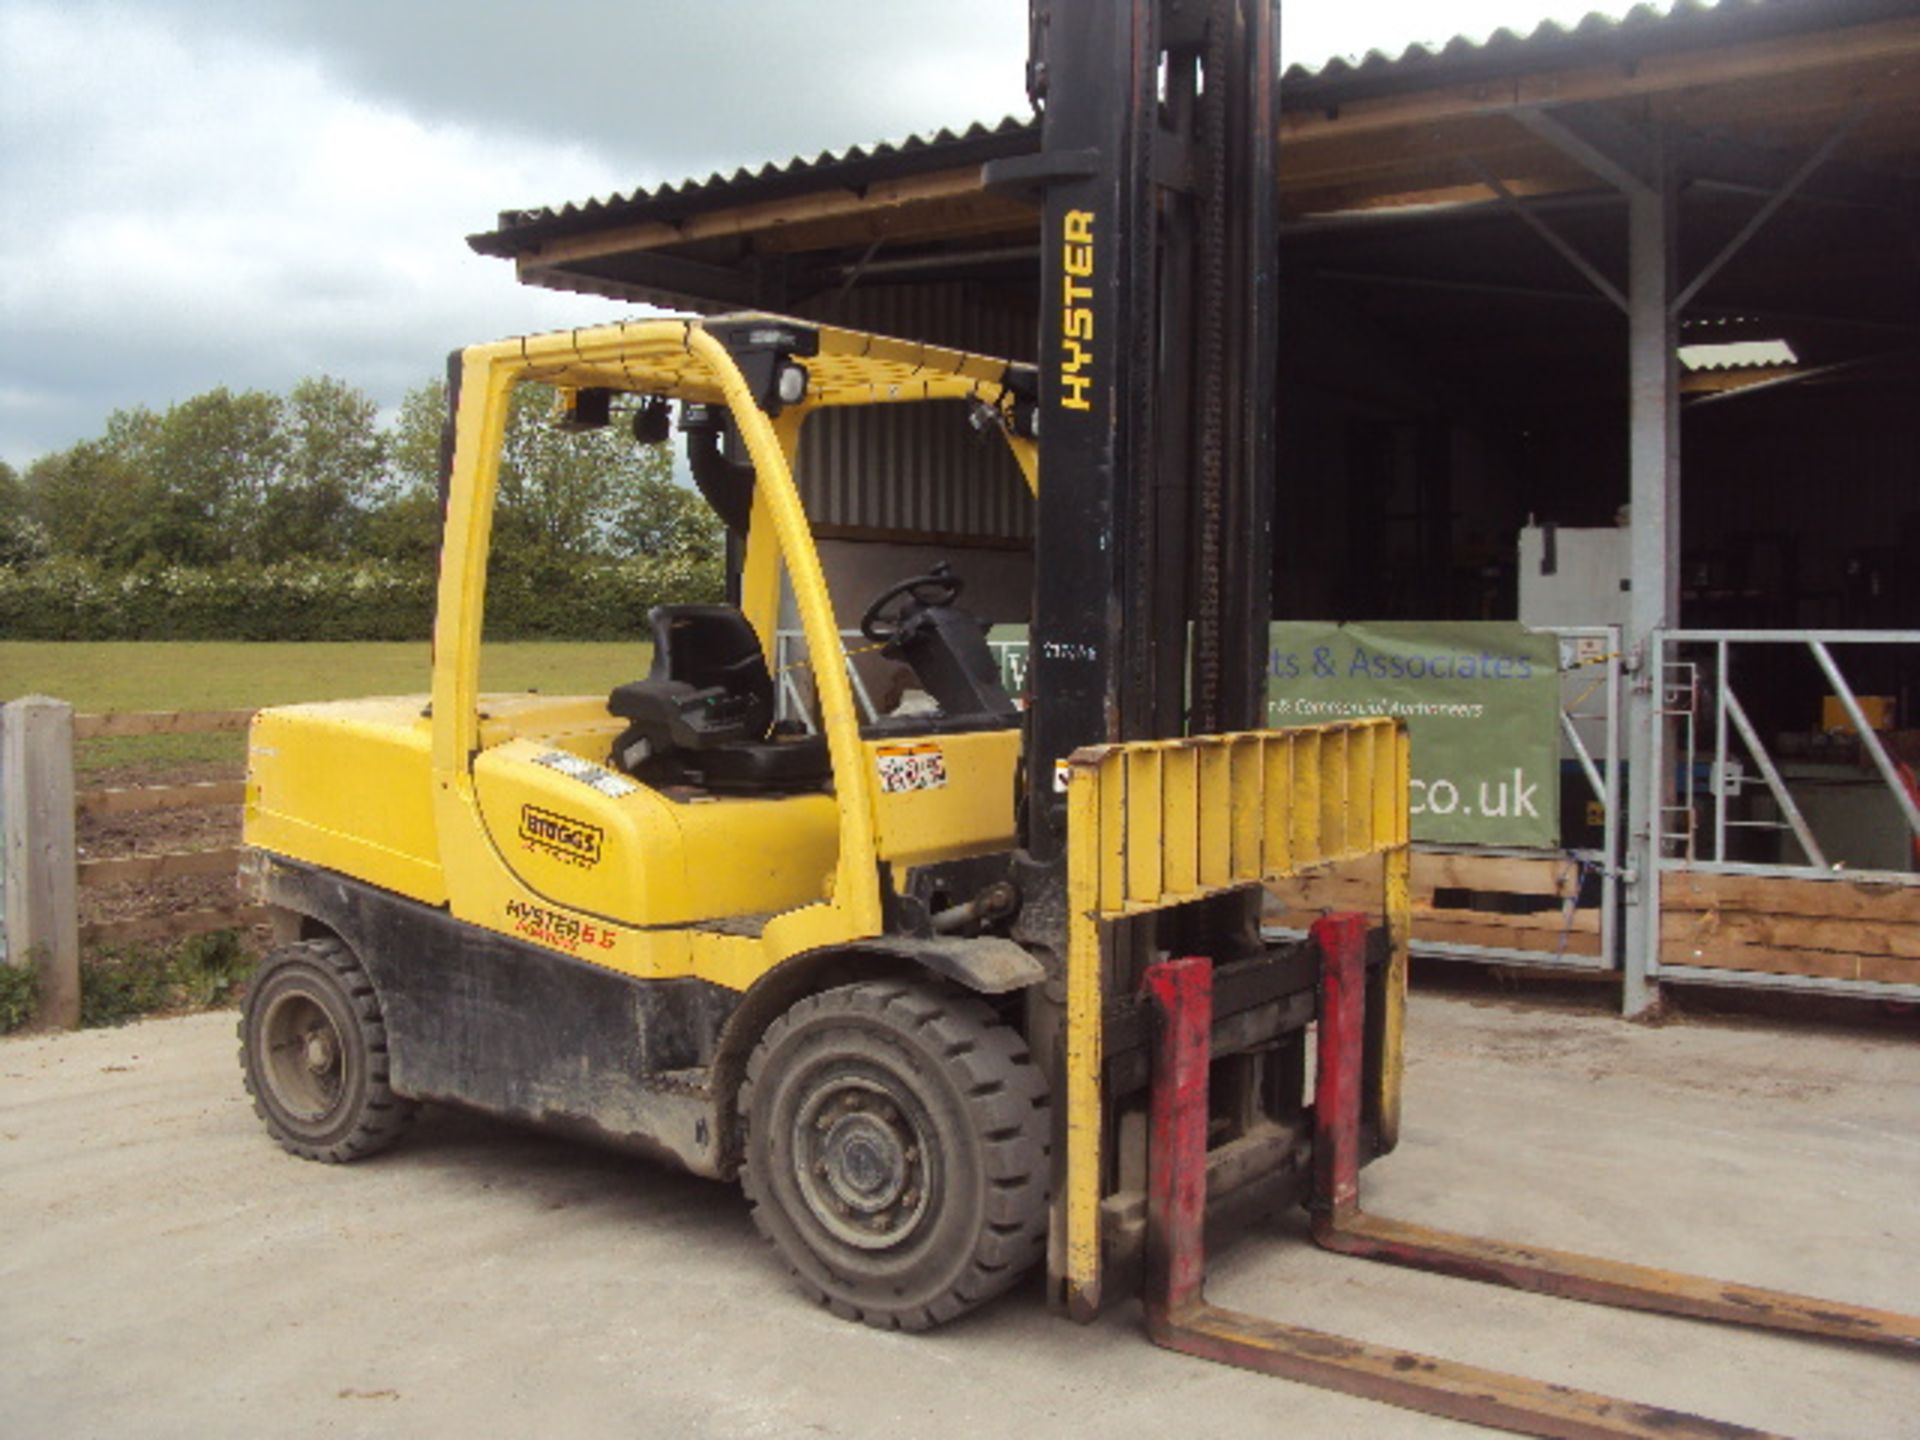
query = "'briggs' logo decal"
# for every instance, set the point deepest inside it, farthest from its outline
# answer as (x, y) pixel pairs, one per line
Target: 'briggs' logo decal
(574, 841)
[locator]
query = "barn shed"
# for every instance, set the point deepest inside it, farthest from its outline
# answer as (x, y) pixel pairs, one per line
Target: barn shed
(1611, 330)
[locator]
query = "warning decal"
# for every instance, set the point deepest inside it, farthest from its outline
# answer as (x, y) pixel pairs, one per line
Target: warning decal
(919, 765)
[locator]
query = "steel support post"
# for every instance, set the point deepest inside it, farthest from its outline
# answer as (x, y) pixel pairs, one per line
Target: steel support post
(1637, 165)
(1653, 419)
(1641, 169)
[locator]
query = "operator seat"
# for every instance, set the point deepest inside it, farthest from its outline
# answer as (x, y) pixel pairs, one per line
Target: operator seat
(704, 714)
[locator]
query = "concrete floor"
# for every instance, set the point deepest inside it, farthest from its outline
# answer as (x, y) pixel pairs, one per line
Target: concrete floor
(165, 1271)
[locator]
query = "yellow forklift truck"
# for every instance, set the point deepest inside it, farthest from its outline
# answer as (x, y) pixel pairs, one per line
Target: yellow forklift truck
(757, 948)
(656, 915)
(956, 989)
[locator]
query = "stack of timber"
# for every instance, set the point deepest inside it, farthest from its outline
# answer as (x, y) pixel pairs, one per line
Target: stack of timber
(1829, 926)
(1509, 902)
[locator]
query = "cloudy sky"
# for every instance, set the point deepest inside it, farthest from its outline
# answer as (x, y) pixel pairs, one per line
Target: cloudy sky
(242, 192)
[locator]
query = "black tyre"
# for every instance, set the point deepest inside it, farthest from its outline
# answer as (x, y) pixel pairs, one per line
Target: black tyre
(313, 1048)
(896, 1151)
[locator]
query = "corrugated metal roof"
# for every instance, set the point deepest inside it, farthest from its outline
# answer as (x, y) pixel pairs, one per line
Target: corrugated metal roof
(1596, 38)
(1644, 30)
(855, 166)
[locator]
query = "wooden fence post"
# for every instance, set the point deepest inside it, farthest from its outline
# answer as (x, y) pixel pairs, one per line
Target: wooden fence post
(36, 794)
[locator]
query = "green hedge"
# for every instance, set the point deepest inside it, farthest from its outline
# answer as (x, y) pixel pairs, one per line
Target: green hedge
(359, 600)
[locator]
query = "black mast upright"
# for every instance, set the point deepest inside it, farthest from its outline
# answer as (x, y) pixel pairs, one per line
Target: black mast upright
(1157, 366)
(1157, 337)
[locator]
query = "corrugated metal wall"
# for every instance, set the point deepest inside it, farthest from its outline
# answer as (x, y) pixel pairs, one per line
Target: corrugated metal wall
(919, 469)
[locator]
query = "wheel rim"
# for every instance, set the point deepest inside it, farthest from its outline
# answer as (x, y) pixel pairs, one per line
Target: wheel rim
(306, 1057)
(861, 1161)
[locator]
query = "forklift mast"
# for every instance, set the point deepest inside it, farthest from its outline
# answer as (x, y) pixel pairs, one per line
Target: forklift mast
(1157, 359)
(1157, 380)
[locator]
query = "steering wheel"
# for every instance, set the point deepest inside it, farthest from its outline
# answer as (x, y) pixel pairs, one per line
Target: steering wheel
(940, 586)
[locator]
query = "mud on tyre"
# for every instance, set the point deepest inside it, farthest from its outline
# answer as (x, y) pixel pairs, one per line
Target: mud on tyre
(313, 1049)
(896, 1151)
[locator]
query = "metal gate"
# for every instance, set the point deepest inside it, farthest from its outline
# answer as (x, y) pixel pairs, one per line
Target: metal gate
(1788, 864)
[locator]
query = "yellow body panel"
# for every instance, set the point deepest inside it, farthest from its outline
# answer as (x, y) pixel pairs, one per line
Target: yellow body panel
(613, 855)
(940, 797)
(640, 858)
(347, 785)
(578, 724)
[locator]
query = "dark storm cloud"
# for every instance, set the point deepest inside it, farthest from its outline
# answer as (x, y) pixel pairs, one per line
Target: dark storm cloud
(242, 192)
(218, 193)
(667, 90)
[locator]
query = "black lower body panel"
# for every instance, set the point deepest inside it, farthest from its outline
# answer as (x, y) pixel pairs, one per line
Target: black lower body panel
(481, 1020)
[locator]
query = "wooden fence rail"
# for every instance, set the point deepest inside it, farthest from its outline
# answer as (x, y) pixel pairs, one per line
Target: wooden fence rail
(145, 869)
(44, 874)
(134, 799)
(123, 723)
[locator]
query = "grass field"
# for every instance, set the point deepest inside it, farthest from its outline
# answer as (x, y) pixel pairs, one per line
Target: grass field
(234, 675)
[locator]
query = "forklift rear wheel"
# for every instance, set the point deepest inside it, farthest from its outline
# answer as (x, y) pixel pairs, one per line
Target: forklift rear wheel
(896, 1151)
(313, 1048)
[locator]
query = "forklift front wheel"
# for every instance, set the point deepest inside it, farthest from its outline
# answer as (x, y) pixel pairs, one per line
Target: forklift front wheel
(896, 1151)
(313, 1048)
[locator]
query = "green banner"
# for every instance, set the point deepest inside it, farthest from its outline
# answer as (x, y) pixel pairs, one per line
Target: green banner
(1481, 701)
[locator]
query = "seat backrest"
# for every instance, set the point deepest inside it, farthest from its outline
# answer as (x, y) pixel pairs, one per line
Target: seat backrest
(708, 645)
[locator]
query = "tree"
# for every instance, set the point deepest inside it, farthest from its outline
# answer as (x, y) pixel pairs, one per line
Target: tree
(561, 495)
(88, 497)
(329, 479)
(558, 489)
(403, 521)
(662, 518)
(23, 539)
(250, 477)
(212, 463)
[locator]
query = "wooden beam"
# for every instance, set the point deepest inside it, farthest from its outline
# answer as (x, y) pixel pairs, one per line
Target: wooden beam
(1427, 153)
(1430, 928)
(121, 723)
(1713, 928)
(1822, 964)
(1802, 108)
(1548, 932)
(140, 799)
(1464, 198)
(764, 215)
(1432, 920)
(975, 217)
(1792, 895)
(177, 926)
(1889, 42)
(1456, 870)
(145, 869)
(1503, 938)
(1514, 874)
(671, 273)
(1714, 382)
